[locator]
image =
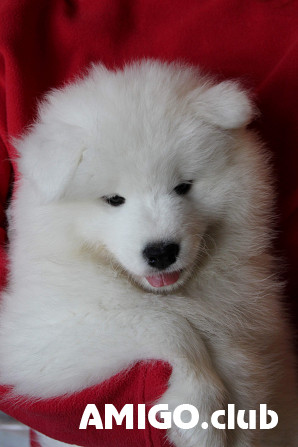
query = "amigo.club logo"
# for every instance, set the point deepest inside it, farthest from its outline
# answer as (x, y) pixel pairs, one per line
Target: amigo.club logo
(159, 416)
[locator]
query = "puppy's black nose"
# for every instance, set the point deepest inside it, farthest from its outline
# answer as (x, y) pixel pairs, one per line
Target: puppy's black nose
(160, 255)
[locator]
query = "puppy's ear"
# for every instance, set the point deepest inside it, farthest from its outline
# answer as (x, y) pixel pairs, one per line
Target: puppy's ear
(49, 157)
(226, 105)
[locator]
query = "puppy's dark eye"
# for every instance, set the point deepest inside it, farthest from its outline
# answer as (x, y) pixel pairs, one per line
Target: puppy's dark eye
(183, 188)
(114, 200)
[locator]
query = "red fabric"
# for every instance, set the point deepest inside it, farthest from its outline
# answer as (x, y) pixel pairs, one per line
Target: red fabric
(33, 439)
(45, 42)
(60, 417)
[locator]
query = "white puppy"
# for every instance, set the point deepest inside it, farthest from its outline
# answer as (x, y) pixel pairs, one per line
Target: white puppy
(141, 229)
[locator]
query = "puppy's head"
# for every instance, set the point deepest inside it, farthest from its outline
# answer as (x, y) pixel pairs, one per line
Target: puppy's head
(145, 154)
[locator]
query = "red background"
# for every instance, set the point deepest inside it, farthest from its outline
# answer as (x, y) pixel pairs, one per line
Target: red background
(46, 42)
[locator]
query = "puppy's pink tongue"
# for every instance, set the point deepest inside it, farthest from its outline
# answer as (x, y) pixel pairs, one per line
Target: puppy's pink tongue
(164, 279)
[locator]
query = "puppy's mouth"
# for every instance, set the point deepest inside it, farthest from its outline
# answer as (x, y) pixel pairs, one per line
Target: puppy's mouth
(163, 279)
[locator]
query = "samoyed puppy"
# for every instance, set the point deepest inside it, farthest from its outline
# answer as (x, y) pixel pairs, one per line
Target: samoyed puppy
(141, 229)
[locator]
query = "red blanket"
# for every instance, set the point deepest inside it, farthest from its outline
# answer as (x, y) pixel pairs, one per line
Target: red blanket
(45, 42)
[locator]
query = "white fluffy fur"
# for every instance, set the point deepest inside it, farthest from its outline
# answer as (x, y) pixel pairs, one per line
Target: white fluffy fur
(78, 308)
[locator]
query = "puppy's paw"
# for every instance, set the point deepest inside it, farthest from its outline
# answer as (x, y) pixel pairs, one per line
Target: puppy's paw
(197, 437)
(196, 407)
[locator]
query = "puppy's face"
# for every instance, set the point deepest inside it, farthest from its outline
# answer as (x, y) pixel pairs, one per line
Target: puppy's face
(145, 154)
